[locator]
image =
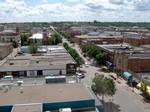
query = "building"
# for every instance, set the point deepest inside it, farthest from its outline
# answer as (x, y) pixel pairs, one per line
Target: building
(100, 39)
(50, 97)
(36, 38)
(124, 57)
(113, 37)
(9, 36)
(136, 39)
(5, 49)
(41, 36)
(1, 28)
(49, 60)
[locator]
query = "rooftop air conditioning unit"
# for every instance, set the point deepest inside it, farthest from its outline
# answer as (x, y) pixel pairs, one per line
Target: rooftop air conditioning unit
(65, 110)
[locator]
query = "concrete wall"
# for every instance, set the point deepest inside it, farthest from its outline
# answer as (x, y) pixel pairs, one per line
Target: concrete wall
(55, 72)
(46, 72)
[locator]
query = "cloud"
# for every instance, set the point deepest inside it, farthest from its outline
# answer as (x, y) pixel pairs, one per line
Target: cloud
(142, 5)
(88, 10)
(118, 2)
(44, 1)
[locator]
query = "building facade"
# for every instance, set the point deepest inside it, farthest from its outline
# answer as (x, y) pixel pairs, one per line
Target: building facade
(9, 36)
(5, 49)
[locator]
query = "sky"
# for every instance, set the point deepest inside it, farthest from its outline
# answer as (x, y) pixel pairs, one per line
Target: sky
(74, 10)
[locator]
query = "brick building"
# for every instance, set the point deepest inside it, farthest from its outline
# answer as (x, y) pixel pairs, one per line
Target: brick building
(127, 58)
(5, 49)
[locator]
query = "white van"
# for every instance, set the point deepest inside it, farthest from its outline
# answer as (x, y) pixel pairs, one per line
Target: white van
(8, 77)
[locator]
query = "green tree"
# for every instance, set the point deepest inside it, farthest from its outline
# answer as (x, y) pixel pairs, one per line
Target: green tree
(33, 47)
(74, 54)
(14, 44)
(103, 86)
(54, 40)
(25, 38)
(95, 52)
(66, 46)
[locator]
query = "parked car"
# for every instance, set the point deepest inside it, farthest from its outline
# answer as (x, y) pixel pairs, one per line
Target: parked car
(80, 75)
(86, 64)
(8, 77)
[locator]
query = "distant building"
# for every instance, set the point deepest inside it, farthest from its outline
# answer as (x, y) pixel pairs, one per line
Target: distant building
(9, 36)
(40, 38)
(5, 50)
(131, 35)
(36, 38)
(1, 28)
(100, 39)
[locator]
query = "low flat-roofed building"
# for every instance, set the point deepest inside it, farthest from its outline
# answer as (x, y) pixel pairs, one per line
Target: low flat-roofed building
(56, 60)
(5, 49)
(52, 97)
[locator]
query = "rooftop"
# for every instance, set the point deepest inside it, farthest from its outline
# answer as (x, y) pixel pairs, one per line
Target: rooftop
(98, 37)
(27, 108)
(113, 47)
(46, 93)
(54, 57)
(125, 47)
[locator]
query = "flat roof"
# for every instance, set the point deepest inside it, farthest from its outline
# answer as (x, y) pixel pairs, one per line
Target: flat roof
(27, 108)
(126, 48)
(98, 37)
(112, 47)
(55, 58)
(45, 93)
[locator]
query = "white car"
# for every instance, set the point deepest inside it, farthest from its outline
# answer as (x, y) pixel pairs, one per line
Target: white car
(86, 64)
(80, 75)
(8, 77)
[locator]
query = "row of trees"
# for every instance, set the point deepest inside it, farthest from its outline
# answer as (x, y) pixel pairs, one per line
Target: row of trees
(95, 52)
(103, 86)
(68, 35)
(74, 54)
(55, 39)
